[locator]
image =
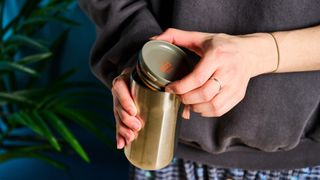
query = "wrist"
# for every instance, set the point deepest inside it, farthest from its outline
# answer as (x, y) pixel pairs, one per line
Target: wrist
(262, 53)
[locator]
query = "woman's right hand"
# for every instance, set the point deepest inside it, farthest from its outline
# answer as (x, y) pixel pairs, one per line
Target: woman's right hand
(127, 123)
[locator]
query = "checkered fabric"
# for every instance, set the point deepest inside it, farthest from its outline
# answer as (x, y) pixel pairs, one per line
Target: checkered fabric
(186, 170)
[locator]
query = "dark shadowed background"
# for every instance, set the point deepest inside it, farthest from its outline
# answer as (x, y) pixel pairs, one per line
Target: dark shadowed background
(105, 163)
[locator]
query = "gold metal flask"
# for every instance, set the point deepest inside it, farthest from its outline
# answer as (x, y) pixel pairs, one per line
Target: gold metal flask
(159, 64)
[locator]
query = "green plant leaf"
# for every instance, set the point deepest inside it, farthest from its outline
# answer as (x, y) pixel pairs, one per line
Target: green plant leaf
(66, 21)
(26, 9)
(55, 48)
(60, 127)
(45, 19)
(29, 92)
(60, 5)
(27, 41)
(37, 124)
(57, 43)
(80, 99)
(74, 84)
(33, 21)
(23, 148)
(13, 98)
(81, 120)
(26, 138)
(23, 118)
(64, 87)
(46, 132)
(97, 119)
(51, 96)
(14, 119)
(64, 76)
(35, 58)
(46, 100)
(25, 154)
(6, 65)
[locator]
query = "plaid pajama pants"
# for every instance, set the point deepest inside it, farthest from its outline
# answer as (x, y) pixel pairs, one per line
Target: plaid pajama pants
(186, 170)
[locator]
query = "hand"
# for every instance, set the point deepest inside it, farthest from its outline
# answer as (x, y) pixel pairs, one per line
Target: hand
(127, 124)
(219, 81)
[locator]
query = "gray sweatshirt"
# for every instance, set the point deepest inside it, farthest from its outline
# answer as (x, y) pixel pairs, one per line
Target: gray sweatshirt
(276, 126)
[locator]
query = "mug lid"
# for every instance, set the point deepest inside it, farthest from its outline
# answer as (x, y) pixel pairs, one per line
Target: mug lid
(162, 62)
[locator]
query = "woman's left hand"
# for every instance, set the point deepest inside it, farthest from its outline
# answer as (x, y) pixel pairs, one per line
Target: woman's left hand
(219, 81)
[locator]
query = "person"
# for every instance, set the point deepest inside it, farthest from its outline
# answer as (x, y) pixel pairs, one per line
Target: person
(253, 96)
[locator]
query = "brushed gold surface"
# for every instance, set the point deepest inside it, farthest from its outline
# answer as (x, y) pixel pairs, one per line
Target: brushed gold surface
(154, 147)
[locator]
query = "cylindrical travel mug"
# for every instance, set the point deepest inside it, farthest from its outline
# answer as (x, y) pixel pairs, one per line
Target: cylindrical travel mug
(159, 64)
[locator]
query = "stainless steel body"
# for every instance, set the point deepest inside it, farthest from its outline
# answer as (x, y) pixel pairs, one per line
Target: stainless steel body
(154, 147)
(159, 63)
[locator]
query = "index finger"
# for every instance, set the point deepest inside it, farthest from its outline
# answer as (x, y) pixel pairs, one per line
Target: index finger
(188, 39)
(121, 91)
(201, 73)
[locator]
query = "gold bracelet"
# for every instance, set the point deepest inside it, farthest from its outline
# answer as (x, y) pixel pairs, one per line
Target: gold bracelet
(278, 52)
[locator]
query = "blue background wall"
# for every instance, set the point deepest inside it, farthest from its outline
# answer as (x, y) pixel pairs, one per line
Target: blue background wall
(105, 163)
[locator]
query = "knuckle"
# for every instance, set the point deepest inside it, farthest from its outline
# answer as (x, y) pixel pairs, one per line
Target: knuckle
(130, 135)
(241, 96)
(142, 123)
(206, 94)
(125, 120)
(218, 114)
(126, 103)
(121, 130)
(115, 82)
(169, 30)
(123, 116)
(216, 105)
(177, 87)
(123, 133)
(199, 79)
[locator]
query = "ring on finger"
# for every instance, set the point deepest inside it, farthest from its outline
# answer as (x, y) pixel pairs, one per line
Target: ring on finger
(217, 82)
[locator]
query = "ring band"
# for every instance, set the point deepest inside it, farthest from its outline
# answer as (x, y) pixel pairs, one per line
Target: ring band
(217, 81)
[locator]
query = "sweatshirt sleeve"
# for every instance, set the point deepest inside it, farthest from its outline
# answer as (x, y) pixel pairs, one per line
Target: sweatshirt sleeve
(123, 26)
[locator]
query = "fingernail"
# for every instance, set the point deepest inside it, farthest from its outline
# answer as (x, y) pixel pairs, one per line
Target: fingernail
(169, 90)
(119, 145)
(186, 112)
(136, 126)
(132, 112)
